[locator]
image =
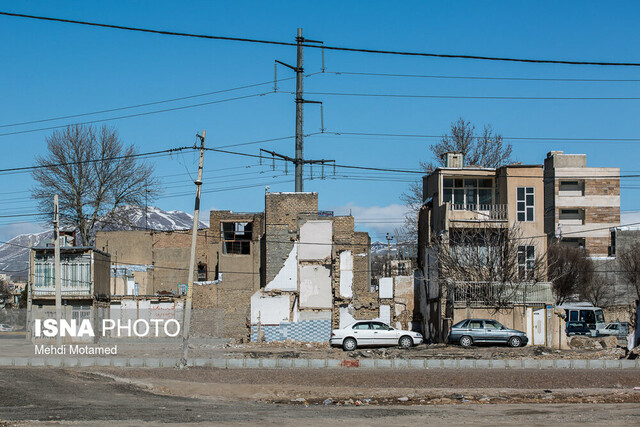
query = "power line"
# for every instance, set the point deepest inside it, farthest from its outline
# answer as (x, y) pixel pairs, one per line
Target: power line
(548, 138)
(49, 165)
(433, 76)
(528, 98)
(336, 48)
(146, 113)
(110, 110)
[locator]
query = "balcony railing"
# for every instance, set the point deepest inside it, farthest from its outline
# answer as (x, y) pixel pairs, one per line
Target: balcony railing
(67, 291)
(489, 212)
(487, 294)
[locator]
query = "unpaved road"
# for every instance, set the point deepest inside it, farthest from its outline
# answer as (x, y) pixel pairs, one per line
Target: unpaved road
(33, 396)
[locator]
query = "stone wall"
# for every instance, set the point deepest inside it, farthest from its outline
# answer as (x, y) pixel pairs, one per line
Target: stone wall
(602, 187)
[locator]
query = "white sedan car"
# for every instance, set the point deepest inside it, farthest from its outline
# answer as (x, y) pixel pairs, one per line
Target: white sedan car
(373, 333)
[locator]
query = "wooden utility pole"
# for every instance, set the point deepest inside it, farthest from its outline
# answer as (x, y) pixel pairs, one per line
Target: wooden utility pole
(192, 261)
(389, 239)
(56, 269)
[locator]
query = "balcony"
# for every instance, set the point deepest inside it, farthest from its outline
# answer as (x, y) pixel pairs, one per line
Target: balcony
(486, 294)
(477, 212)
(82, 290)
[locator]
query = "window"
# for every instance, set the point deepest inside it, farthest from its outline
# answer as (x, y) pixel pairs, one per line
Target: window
(571, 216)
(525, 203)
(468, 193)
(526, 261)
(236, 237)
(492, 324)
(475, 324)
(362, 326)
(571, 188)
(380, 326)
(202, 272)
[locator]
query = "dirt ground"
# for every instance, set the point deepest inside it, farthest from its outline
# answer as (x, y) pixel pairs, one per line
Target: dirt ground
(128, 397)
(375, 387)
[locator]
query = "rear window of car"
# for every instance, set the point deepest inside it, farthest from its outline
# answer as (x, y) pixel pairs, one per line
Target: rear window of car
(460, 324)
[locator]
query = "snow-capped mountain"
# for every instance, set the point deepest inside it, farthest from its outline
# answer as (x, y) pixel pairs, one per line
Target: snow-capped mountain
(14, 255)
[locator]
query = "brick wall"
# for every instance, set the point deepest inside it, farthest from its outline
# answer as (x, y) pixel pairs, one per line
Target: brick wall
(283, 208)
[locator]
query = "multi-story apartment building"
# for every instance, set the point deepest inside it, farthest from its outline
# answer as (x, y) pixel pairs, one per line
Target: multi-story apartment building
(462, 200)
(582, 204)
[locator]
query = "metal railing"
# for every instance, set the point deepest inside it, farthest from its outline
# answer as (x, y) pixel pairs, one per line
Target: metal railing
(487, 294)
(488, 211)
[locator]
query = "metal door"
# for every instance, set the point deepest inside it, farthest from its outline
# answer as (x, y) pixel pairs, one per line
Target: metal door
(539, 327)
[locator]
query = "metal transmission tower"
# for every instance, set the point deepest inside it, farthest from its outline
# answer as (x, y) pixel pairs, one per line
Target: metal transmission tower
(300, 101)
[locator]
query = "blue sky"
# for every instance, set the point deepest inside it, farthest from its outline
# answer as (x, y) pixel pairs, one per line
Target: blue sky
(55, 69)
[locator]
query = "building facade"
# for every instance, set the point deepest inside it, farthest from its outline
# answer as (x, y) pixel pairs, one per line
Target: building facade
(474, 213)
(582, 204)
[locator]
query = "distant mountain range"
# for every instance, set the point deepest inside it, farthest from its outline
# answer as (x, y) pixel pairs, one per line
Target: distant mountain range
(14, 255)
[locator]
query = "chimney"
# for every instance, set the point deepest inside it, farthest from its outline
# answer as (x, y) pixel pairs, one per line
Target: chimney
(453, 159)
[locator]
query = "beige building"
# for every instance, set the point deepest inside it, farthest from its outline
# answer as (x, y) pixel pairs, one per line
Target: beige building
(582, 204)
(462, 206)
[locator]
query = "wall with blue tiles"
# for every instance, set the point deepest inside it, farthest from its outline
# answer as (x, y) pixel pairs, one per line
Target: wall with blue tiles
(304, 330)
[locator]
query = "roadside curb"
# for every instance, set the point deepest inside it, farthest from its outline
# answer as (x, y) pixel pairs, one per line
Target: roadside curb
(272, 363)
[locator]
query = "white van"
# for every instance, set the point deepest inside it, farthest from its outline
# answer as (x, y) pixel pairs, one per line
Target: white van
(585, 312)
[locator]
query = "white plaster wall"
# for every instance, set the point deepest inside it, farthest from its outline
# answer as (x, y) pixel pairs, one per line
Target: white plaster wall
(385, 314)
(287, 277)
(315, 315)
(315, 286)
(346, 274)
(271, 310)
(345, 317)
(315, 240)
(385, 287)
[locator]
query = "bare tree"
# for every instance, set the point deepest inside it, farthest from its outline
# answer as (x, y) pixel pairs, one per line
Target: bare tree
(5, 292)
(485, 149)
(571, 272)
(95, 176)
(630, 266)
(597, 291)
(493, 264)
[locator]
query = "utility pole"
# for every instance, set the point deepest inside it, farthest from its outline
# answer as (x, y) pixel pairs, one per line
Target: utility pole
(300, 101)
(389, 239)
(192, 261)
(56, 264)
(299, 112)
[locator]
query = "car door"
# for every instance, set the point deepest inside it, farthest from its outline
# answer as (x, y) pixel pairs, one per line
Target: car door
(363, 333)
(494, 331)
(476, 330)
(383, 334)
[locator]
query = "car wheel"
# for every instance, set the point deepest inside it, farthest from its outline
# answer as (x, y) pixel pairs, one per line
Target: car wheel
(349, 344)
(405, 342)
(466, 341)
(515, 341)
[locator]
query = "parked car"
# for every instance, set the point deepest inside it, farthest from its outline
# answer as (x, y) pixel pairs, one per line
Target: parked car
(373, 333)
(471, 331)
(5, 328)
(619, 329)
(578, 328)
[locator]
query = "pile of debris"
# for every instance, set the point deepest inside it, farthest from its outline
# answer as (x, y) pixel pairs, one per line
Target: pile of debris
(588, 343)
